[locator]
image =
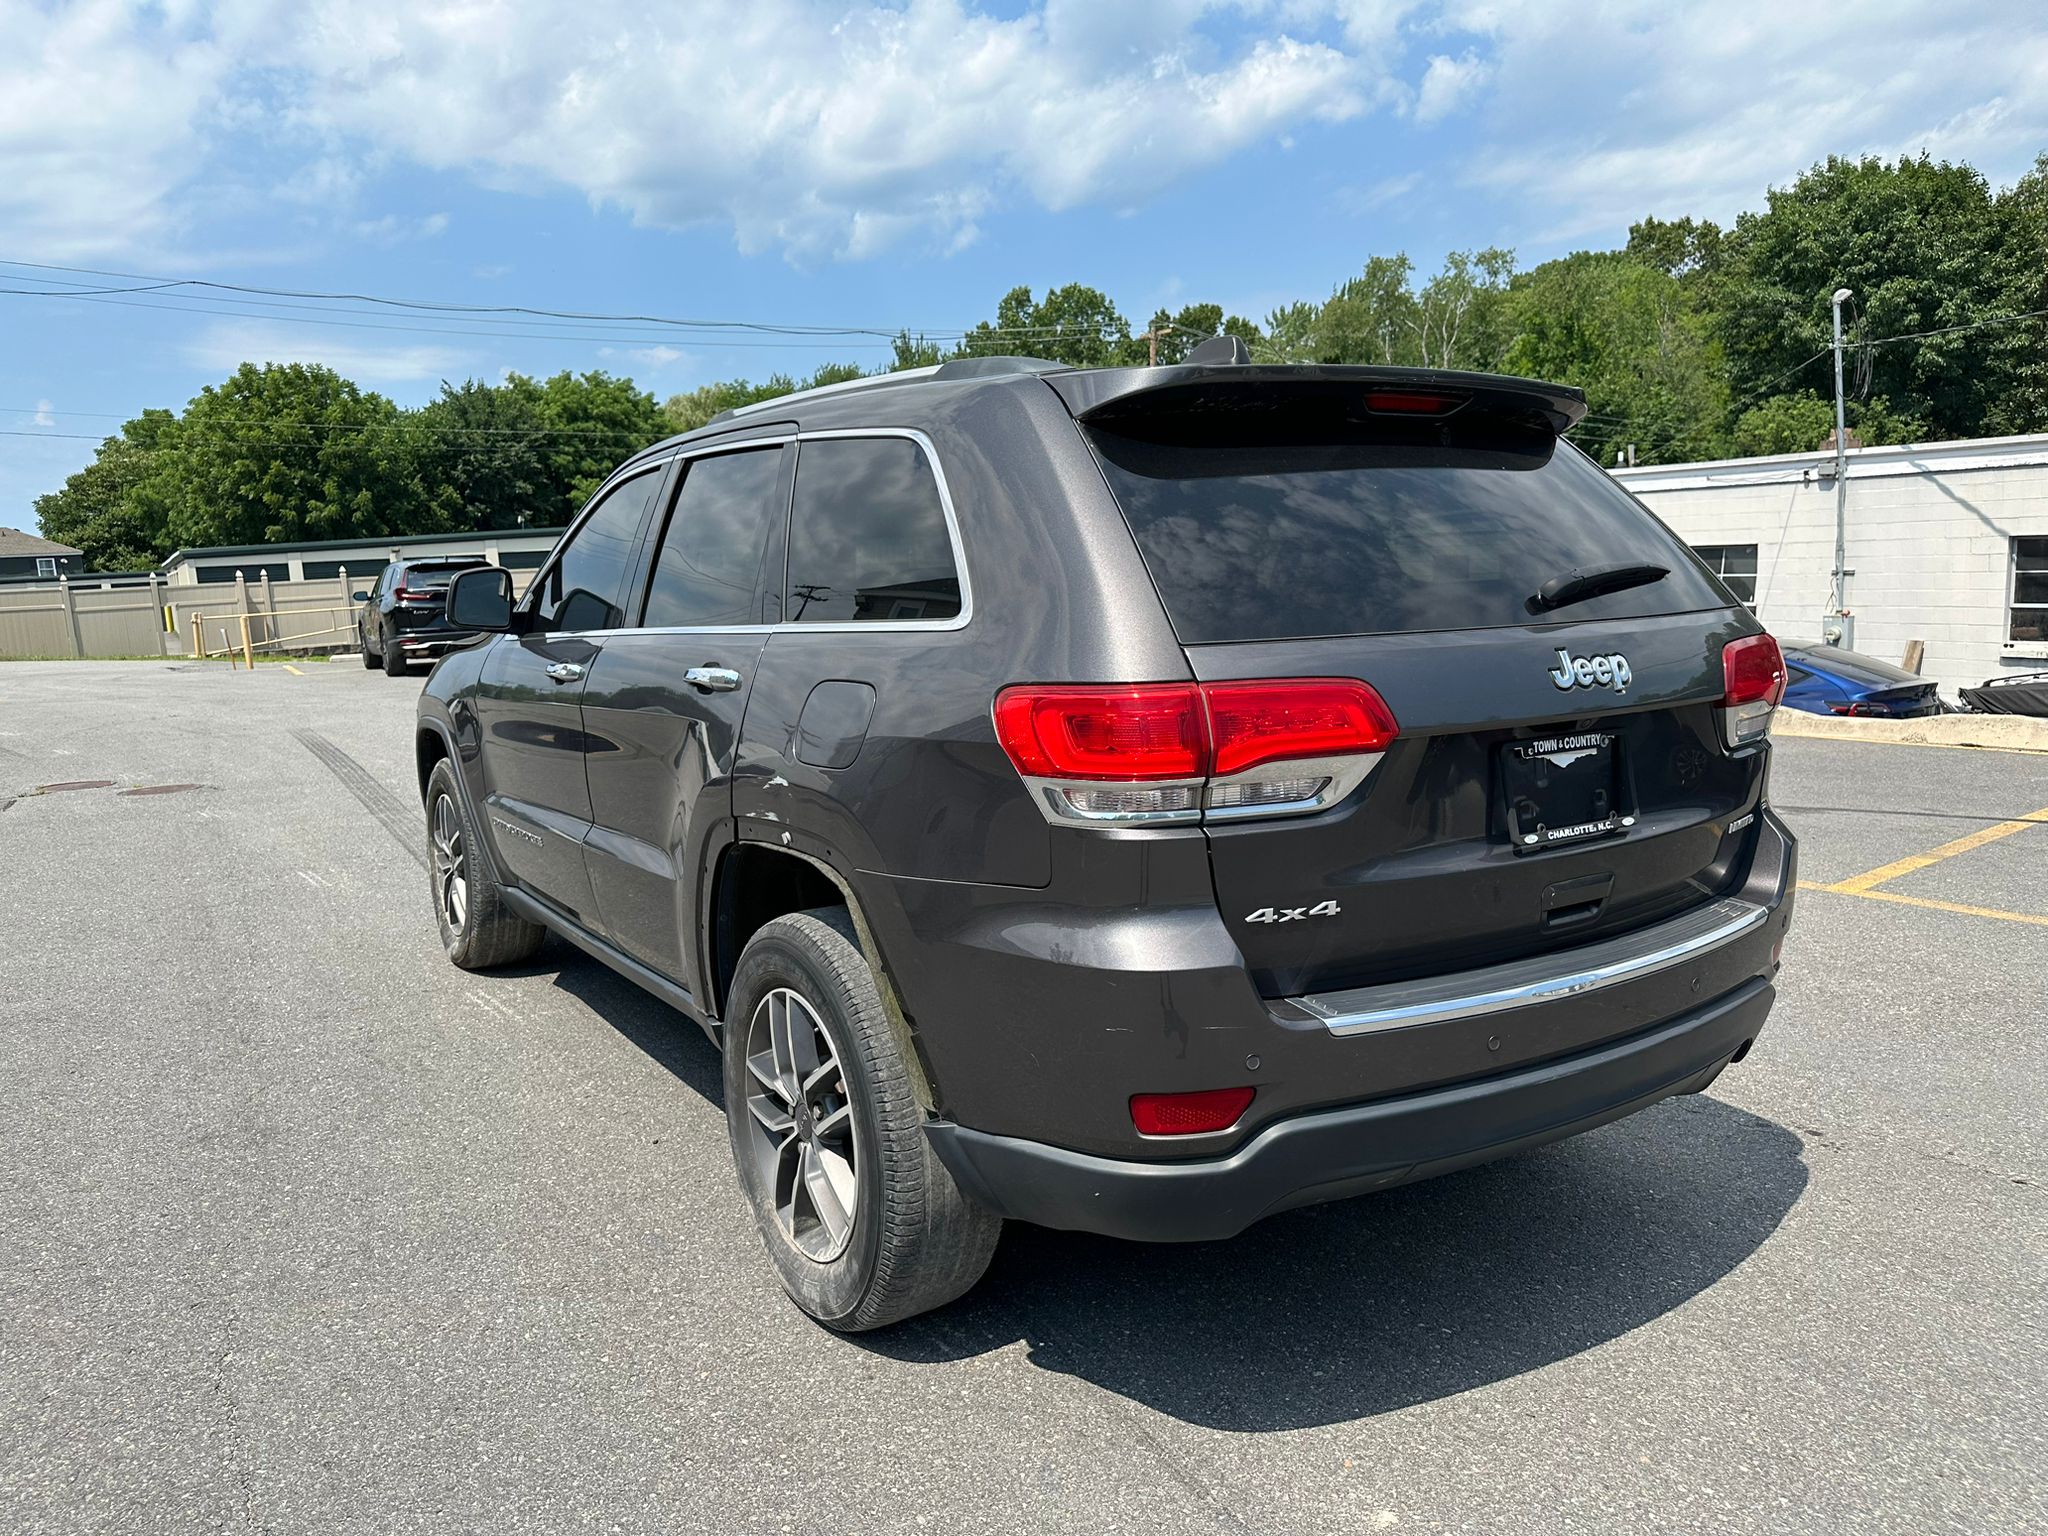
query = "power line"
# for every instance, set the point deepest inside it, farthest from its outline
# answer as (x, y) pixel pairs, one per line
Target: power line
(141, 283)
(1950, 330)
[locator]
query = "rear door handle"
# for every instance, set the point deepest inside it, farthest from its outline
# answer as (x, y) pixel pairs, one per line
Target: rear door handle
(565, 671)
(712, 679)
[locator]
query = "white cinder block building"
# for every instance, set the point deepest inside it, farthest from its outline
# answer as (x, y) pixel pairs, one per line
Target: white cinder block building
(1947, 543)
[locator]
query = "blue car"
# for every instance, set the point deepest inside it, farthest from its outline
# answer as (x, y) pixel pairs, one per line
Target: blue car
(1827, 680)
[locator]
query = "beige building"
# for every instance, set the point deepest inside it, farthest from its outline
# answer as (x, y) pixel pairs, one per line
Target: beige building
(1947, 543)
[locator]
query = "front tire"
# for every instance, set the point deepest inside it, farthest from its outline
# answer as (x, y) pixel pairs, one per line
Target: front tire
(863, 1223)
(477, 929)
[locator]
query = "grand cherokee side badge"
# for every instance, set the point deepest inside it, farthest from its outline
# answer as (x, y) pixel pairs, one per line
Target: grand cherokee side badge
(1610, 671)
(505, 826)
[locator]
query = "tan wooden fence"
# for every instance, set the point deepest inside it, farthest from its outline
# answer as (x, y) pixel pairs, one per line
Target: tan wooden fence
(146, 616)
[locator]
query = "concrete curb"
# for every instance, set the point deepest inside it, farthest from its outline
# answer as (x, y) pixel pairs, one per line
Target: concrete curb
(2004, 733)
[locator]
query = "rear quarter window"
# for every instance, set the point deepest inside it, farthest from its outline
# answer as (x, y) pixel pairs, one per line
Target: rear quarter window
(868, 541)
(1313, 523)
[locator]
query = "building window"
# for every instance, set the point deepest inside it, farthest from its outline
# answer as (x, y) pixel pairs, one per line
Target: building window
(366, 568)
(46, 565)
(276, 571)
(2030, 589)
(1735, 564)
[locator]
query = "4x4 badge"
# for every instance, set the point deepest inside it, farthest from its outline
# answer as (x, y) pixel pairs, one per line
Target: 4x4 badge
(1611, 671)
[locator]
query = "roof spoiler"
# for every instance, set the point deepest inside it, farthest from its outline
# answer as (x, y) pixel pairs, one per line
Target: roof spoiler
(1103, 394)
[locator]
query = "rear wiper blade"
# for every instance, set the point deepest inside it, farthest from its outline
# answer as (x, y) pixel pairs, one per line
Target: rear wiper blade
(1578, 585)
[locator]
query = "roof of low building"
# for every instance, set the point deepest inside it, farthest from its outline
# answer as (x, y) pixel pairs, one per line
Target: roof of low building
(388, 541)
(14, 542)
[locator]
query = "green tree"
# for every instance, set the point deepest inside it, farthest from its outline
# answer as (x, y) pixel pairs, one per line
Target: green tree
(914, 352)
(107, 510)
(2020, 350)
(483, 457)
(1074, 324)
(1371, 318)
(1784, 424)
(1924, 247)
(283, 452)
(593, 421)
(687, 412)
(1629, 336)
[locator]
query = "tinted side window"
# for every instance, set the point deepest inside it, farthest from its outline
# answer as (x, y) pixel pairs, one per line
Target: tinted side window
(867, 535)
(709, 567)
(582, 588)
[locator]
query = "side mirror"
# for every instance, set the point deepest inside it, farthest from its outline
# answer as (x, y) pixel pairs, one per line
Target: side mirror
(481, 599)
(359, 597)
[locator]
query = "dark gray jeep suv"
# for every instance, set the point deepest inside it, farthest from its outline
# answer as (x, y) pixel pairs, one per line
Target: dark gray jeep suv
(1137, 800)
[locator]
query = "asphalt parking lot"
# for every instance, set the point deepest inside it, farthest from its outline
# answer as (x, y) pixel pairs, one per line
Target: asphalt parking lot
(304, 1230)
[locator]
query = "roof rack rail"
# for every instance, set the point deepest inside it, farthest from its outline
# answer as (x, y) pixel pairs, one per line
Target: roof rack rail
(958, 368)
(871, 381)
(988, 367)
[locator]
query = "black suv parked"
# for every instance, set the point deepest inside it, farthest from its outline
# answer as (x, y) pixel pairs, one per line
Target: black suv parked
(1133, 800)
(404, 616)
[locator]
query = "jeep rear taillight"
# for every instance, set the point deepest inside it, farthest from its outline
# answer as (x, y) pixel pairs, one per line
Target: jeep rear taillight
(1178, 752)
(1753, 680)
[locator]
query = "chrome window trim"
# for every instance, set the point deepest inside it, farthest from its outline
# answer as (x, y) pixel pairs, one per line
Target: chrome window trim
(930, 452)
(1528, 983)
(871, 627)
(530, 598)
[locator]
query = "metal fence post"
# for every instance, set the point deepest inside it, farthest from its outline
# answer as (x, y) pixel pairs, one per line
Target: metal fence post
(156, 608)
(270, 608)
(71, 616)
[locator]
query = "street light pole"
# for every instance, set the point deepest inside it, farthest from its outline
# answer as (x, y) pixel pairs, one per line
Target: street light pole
(1841, 469)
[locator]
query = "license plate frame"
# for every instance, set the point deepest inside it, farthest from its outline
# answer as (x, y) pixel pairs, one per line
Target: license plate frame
(1564, 790)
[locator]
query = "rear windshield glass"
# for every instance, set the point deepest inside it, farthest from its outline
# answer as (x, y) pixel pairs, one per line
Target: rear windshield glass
(1276, 525)
(439, 575)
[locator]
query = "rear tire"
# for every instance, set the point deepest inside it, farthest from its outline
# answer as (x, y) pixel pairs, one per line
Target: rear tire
(395, 664)
(477, 929)
(863, 1223)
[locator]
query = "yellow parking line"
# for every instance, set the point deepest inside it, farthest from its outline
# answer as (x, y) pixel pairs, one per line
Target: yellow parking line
(1928, 901)
(1860, 885)
(295, 672)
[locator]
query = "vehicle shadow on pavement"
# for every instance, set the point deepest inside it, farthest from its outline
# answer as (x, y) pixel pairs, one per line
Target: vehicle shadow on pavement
(1339, 1312)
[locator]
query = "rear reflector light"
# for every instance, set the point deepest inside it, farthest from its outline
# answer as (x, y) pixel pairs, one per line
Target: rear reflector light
(1753, 681)
(1189, 1114)
(1176, 751)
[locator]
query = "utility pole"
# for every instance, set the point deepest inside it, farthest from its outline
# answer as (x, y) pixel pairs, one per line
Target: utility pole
(1842, 295)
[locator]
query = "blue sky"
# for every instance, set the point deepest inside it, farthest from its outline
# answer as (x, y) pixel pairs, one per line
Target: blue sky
(844, 162)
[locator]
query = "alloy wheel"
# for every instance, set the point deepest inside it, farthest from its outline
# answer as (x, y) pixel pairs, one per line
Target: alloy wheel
(451, 864)
(803, 1139)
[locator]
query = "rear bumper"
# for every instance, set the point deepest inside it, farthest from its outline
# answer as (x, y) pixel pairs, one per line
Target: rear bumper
(1330, 1154)
(434, 642)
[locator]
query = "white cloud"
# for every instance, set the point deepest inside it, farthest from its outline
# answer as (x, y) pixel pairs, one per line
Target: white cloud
(45, 414)
(1447, 84)
(101, 110)
(818, 127)
(844, 128)
(224, 347)
(394, 230)
(1623, 108)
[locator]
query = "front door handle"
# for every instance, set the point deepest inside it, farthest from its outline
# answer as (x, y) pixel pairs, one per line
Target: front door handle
(712, 679)
(565, 671)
